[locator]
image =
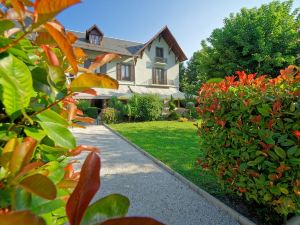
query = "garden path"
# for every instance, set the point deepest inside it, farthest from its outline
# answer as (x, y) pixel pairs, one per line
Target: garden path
(152, 190)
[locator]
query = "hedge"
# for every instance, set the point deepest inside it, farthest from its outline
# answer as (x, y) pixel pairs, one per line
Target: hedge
(251, 139)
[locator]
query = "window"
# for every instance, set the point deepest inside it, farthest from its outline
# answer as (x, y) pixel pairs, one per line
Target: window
(102, 69)
(94, 39)
(159, 52)
(125, 72)
(159, 76)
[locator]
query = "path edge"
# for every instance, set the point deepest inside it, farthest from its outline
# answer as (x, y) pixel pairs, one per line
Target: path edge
(216, 202)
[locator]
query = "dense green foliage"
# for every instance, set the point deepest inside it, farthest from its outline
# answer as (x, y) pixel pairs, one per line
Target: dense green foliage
(175, 144)
(109, 115)
(145, 107)
(262, 39)
(83, 104)
(250, 137)
(91, 112)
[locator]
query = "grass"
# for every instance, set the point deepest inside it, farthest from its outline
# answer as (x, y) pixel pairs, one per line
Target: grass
(175, 144)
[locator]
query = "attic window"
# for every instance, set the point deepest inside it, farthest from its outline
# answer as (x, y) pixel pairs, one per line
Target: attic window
(94, 39)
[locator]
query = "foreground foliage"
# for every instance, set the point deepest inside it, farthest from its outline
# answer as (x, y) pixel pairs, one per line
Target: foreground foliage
(251, 139)
(38, 184)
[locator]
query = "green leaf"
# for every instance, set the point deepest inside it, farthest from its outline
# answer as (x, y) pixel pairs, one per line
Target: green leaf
(280, 152)
(47, 207)
(291, 151)
(284, 190)
(113, 205)
(52, 117)
(264, 110)
(6, 25)
(59, 134)
(34, 132)
(57, 75)
(16, 82)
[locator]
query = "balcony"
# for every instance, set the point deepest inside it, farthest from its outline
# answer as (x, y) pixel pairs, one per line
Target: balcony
(160, 60)
(159, 83)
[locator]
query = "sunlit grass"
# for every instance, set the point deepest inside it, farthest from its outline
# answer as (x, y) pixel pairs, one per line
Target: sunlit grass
(174, 143)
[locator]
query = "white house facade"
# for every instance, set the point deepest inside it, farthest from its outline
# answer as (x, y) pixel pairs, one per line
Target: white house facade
(142, 68)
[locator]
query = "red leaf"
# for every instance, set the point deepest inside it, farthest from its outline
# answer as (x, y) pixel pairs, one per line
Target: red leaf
(20, 217)
(30, 167)
(85, 119)
(53, 60)
(58, 34)
(90, 91)
(80, 148)
(132, 221)
(88, 185)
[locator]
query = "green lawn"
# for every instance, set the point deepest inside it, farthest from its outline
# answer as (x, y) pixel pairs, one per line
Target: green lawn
(175, 144)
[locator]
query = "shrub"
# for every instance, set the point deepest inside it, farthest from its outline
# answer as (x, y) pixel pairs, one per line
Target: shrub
(91, 112)
(250, 137)
(109, 115)
(83, 104)
(183, 119)
(172, 105)
(146, 107)
(174, 116)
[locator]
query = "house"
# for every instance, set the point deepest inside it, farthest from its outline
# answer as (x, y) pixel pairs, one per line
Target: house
(151, 67)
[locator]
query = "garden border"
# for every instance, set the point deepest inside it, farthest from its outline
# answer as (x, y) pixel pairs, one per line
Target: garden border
(236, 215)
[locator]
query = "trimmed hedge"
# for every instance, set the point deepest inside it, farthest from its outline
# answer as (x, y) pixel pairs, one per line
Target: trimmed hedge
(250, 137)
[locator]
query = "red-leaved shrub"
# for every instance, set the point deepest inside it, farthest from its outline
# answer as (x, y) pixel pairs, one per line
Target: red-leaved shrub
(250, 135)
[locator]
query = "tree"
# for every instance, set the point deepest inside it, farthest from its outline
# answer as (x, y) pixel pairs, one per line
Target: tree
(261, 39)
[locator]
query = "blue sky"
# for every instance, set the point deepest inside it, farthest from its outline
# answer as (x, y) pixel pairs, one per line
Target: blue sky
(138, 20)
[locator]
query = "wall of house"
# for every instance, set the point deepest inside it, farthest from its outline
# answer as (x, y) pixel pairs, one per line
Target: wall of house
(145, 64)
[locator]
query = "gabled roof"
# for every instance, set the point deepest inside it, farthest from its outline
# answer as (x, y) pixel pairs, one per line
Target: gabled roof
(113, 45)
(127, 48)
(94, 27)
(171, 41)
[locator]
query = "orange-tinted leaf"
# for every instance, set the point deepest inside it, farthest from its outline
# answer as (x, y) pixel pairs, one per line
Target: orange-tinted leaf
(45, 38)
(19, 7)
(88, 185)
(80, 148)
(80, 55)
(102, 59)
(45, 10)
(39, 185)
(72, 38)
(10, 145)
(132, 221)
(72, 111)
(89, 80)
(67, 183)
(90, 91)
(58, 34)
(20, 217)
(53, 60)
(22, 154)
(85, 119)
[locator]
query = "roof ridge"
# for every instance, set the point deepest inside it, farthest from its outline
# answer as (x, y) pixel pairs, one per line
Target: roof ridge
(108, 37)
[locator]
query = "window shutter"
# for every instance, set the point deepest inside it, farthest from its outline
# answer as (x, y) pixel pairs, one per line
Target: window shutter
(132, 73)
(118, 71)
(153, 76)
(165, 77)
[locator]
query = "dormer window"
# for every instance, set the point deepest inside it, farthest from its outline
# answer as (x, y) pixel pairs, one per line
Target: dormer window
(94, 39)
(94, 35)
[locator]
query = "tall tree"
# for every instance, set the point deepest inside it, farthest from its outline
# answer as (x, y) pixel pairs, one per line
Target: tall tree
(259, 40)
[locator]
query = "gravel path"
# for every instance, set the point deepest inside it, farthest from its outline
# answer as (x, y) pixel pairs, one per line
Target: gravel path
(152, 190)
